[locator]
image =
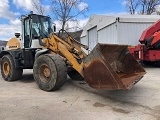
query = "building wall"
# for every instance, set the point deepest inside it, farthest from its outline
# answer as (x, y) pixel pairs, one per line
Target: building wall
(116, 33)
(122, 33)
(129, 33)
(115, 29)
(92, 38)
(108, 34)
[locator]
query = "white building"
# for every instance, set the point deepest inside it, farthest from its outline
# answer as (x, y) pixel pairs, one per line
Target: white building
(117, 29)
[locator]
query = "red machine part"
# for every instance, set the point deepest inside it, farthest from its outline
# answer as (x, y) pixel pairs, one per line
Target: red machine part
(141, 53)
(156, 38)
(149, 32)
(149, 49)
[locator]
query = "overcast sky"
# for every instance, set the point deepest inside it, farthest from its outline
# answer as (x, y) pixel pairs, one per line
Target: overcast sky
(11, 10)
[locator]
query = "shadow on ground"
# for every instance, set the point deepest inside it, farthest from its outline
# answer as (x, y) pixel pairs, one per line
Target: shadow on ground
(27, 78)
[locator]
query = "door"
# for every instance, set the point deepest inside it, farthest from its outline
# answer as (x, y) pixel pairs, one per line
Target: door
(27, 33)
(92, 38)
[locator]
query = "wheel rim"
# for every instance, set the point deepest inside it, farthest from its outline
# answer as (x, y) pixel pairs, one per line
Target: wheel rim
(45, 73)
(6, 68)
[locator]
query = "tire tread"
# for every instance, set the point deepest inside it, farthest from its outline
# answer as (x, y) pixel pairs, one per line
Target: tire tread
(15, 73)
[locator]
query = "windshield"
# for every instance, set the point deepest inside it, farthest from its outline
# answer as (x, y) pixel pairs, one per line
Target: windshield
(41, 26)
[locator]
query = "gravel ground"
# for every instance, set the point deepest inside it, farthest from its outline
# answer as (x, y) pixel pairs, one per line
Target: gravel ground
(23, 100)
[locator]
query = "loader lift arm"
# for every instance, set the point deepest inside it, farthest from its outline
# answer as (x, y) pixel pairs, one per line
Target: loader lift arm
(69, 49)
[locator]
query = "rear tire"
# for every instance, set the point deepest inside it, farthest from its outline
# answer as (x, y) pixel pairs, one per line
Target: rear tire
(8, 70)
(73, 74)
(49, 72)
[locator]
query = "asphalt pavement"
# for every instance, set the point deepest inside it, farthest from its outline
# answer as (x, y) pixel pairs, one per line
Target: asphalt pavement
(23, 100)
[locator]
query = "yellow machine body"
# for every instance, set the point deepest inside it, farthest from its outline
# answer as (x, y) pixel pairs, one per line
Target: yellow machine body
(13, 43)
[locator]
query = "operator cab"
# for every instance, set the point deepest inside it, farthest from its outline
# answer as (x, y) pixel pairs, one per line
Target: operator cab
(33, 27)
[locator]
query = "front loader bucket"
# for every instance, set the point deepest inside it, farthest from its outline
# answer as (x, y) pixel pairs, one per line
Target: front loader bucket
(111, 67)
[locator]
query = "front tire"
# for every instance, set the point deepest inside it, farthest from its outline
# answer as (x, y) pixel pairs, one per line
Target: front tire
(8, 70)
(49, 72)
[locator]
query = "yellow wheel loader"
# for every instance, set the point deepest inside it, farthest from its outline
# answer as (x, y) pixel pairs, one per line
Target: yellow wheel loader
(107, 66)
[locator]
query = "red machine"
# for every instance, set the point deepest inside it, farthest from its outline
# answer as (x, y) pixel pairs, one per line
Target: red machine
(149, 49)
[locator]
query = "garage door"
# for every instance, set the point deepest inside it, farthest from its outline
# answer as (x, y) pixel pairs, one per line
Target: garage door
(92, 38)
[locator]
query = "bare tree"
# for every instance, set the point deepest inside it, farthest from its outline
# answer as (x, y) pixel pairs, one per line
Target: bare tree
(148, 6)
(131, 5)
(37, 4)
(68, 10)
(141, 6)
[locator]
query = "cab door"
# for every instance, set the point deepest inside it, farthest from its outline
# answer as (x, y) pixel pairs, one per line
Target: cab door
(27, 33)
(27, 52)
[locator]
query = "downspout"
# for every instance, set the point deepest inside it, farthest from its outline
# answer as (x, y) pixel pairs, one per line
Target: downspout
(117, 22)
